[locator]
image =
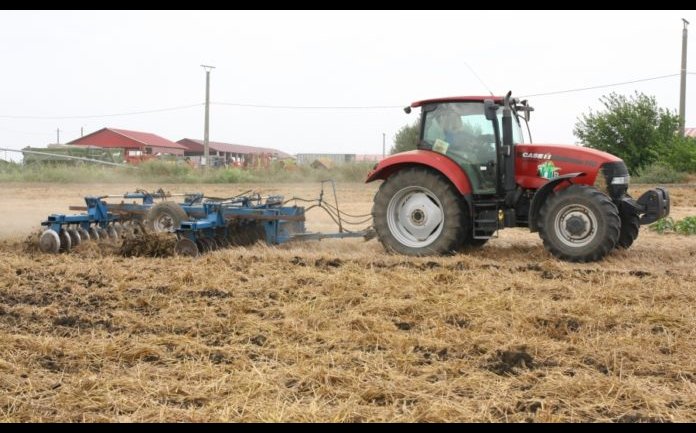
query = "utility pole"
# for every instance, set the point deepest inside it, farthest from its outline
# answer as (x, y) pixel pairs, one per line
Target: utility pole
(206, 140)
(384, 148)
(82, 131)
(57, 135)
(682, 88)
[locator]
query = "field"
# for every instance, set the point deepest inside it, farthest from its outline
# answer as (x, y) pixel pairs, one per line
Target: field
(340, 330)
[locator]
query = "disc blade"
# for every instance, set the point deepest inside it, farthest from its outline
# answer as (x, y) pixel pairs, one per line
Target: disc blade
(186, 247)
(49, 242)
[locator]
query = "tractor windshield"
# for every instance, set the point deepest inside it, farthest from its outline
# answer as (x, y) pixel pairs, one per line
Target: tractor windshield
(461, 131)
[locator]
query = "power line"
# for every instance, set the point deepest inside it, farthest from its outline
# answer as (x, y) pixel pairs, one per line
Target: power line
(580, 89)
(95, 116)
(370, 107)
(310, 107)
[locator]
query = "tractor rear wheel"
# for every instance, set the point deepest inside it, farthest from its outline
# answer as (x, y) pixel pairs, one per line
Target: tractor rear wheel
(418, 212)
(579, 224)
(166, 216)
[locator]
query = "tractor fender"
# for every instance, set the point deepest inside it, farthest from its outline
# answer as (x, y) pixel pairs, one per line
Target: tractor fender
(543, 193)
(436, 161)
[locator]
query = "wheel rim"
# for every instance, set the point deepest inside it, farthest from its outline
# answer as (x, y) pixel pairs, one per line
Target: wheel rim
(415, 217)
(576, 225)
(164, 223)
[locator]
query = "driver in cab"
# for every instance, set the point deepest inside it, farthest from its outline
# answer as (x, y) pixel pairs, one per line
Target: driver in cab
(449, 136)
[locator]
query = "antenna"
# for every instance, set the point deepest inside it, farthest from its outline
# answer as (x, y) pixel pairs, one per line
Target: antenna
(478, 78)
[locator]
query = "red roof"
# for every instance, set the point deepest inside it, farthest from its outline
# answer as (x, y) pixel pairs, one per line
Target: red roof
(197, 146)
(457, 99)
(105, 138)
(690, 132)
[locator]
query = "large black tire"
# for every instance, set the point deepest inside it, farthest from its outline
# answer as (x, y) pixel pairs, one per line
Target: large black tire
(417, 212)
(165, 217)
(579, 224)
(630, 226)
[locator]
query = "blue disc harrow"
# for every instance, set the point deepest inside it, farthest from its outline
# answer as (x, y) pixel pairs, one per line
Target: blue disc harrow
(200, 223)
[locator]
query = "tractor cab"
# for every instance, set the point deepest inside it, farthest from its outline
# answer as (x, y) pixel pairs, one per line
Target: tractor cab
(462, 131)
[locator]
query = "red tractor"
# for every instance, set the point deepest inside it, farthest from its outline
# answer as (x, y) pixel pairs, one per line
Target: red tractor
(473, 175)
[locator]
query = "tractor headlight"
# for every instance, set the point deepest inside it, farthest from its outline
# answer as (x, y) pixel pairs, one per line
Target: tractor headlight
(621, 180)
(613, 179)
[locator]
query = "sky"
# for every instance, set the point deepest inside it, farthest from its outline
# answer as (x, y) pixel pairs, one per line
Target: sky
(63, 68)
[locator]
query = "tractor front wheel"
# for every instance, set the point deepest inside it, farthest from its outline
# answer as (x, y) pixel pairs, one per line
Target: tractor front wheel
(579, 224)
(417, 212)
(630, 226)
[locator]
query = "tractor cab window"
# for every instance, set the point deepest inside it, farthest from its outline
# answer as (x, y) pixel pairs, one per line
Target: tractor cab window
(461, 131)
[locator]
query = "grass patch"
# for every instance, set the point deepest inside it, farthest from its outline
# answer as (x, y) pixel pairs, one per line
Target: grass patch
(163, 172)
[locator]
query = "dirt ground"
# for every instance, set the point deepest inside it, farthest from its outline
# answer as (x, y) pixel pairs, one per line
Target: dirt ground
(340, 330)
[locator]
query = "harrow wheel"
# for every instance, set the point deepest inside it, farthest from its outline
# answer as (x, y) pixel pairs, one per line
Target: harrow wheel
(65, 243)
(49, 242)
(165, 217)
(75, 239)
(186, 247)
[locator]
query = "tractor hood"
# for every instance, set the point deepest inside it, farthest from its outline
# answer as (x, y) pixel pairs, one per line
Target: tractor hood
(535, 164)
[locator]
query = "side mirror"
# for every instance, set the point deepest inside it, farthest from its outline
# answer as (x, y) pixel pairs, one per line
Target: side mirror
(407, 109)
(527, 109)
(490, 108)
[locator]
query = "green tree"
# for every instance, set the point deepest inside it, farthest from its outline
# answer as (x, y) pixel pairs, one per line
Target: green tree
(406, 138)
(681, 154)
(633, 128)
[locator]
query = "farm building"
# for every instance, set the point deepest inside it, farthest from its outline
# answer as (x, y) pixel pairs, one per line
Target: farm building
(690, 132)
(230, 154)
(137, 145)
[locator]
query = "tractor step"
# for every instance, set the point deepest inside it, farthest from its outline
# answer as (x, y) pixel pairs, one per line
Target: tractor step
(485, 223)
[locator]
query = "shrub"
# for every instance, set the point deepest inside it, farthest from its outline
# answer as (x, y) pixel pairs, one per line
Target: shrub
(686, 226)
(681, 154)
(660, 172)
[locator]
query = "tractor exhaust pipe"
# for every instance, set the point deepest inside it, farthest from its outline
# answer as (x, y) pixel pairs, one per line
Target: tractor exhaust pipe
(508, 150)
